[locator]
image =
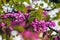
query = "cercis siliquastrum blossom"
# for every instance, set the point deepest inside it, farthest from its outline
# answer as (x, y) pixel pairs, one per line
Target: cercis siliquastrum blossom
(45, 13)
(56, 37)
(29, 35)
(42, 25)
(17, 18)
(20, 18)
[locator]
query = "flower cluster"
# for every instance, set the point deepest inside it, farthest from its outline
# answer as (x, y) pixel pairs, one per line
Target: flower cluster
(56, 38)
(38, 25)
(20, 19)
(29, 35)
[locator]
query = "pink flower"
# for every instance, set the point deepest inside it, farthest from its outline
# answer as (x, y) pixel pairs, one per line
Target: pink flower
(44, 13)
(23, 23)
(51, 23)
(11, 28)
(26, 15)
(5, 16)
(27, 33)
(3, 24)
(38, 25)
(35, 36)
(56, 38)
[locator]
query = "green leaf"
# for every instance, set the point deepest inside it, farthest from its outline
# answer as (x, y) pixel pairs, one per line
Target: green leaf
(0, 2)
(1, 11)
(19, 28)
(41, 4)
(59, 23)
(39, 14)
(21, 8)
(7, 22)
(4, 36)
(31, 19)
(32, 16)
(18, 0)
(57, 17)
(58, 5)
(46, 1)
(22, 1)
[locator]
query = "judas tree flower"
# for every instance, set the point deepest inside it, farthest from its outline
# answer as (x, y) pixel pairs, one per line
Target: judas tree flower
(14, 22)
(42, 23)
(27, 33)
(44, 13)
(23, 23)
(51, 23)
(56, 37)
(38, 25)
(3, 24)
(19, 17)
(11, 28)
(5, 16)
(35, 36)
(26, 15)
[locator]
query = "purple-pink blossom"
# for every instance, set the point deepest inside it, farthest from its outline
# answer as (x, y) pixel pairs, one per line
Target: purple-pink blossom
(42, 24)
(45, 13)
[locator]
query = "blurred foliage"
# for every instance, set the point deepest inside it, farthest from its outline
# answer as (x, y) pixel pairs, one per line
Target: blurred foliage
(46, 1)
(18, 28)
(21, 8)
(21, 1)
(32, 16)
(58, 5)
(57, 17)
(4, 36)
(36, 14)
(55, 1)
(1, 12)
(59, 23)
(46, 18)
(39, 13)
(41, 4)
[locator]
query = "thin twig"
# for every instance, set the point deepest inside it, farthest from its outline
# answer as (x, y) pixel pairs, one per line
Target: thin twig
(53, 29)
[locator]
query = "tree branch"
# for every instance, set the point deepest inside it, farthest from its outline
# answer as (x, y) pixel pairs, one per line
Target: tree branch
(53, 29)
